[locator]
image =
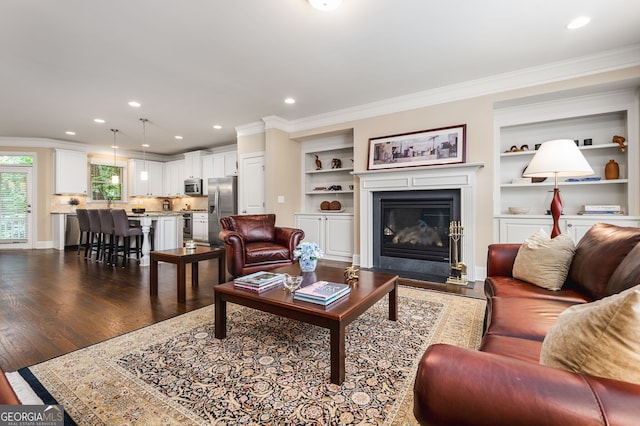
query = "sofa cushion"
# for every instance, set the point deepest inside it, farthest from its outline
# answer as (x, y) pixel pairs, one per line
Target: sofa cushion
(512, 347)
(600, 338)
(598, 254)
(544, 261)
(255, 227)
(512, 287)
(524, 317)
(627, 274)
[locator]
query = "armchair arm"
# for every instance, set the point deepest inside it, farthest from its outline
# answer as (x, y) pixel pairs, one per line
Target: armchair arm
(456, 386)
(500, 259)
(289, 237)
(234, 251)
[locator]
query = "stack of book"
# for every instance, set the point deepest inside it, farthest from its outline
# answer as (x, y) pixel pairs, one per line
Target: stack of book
(258, 281)
(322, 292)
(588, 209)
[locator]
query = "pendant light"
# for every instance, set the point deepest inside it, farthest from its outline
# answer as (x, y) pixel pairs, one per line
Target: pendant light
(325, 5)
(143, 173)
(115, 179)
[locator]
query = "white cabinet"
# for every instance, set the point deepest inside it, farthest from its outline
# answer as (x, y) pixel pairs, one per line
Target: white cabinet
(327, 166)
(598, 117)
(193, 165)
(218, 165)
(70, 172)
(332, 231)
(517, 228)
(174, 178)
(168, 232)
(153, 186)
(200, 227)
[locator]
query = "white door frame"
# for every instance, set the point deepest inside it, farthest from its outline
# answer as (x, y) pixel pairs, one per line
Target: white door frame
(30, 222)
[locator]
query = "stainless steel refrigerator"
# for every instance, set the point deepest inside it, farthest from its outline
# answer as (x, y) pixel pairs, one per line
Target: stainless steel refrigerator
(223, 201)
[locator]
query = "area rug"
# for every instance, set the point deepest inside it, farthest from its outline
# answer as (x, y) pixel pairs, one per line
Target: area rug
(269, 370)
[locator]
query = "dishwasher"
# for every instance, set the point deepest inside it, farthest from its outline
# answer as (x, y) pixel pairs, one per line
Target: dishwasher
(71, 231)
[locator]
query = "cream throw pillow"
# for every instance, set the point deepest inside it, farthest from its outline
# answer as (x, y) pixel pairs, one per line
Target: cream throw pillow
(600, 338)
(544, 261)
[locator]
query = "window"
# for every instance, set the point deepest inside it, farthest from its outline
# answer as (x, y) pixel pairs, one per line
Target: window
(102, 186)
(16, 160)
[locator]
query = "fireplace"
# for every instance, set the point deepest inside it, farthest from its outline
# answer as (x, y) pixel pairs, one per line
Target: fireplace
(385, 184)
(410, 230)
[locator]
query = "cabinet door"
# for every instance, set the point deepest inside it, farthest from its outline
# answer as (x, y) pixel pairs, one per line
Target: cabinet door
(193, 165)
(173, 178)
(313, 227)
(200, 228)
(339, 236)
(517, 230)
(576, 228)
(70, 172)
(218, 165)
(137, 186)
(156, 178)
(207, 172)
(230, 163)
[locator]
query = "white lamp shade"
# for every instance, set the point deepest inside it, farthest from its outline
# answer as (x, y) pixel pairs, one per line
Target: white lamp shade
(558, 158)
(325, 5)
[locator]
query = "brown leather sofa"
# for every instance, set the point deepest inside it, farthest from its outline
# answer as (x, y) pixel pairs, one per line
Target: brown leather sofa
(253, 243)
(7, 395)
(503, 383)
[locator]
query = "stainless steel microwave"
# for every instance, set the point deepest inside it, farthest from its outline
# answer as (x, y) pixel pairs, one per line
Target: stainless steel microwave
(193, 187)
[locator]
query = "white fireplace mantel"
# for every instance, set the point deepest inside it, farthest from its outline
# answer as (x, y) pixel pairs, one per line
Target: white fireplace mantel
(450, 176)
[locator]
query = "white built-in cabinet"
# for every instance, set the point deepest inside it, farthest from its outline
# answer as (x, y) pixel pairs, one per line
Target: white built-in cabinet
(595, 116)
(153, 186)
(326, 176)
(218, 165)
(193, 165)
(70, 172)
(200, 227)
(333, 232)
(174, 178)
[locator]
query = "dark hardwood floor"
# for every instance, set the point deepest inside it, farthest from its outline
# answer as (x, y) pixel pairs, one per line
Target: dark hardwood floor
(54, 302)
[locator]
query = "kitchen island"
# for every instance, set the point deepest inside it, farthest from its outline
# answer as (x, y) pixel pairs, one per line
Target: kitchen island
(167, 230)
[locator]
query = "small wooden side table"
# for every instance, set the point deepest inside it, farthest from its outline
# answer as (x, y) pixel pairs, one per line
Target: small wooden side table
(180, 257)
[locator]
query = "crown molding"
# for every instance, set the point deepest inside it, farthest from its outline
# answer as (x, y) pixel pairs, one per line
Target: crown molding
(275, 122)
(612, 60)
(250, 128)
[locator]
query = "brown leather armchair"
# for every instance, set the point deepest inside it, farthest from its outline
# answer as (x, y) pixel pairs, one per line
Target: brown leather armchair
(253, 243)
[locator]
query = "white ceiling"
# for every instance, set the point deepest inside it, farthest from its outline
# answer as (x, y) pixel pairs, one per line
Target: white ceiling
(196, 63)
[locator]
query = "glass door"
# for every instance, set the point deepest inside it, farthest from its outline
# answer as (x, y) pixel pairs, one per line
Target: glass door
(15, 207)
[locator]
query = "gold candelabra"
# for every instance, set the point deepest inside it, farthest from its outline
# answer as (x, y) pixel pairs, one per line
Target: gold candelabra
(458, 270)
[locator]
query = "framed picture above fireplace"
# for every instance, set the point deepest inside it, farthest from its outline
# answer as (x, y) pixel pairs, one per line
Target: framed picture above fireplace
(445, 145)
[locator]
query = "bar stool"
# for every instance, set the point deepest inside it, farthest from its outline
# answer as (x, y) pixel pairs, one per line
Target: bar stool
(122, 229)
(83, 224)
(107, 230)
(95, 233)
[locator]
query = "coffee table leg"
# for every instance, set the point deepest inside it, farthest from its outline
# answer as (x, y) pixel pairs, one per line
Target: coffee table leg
(337, 354)
(393, 302)
(153, 278)
(194, 274)
(182, 292)
(220, 316)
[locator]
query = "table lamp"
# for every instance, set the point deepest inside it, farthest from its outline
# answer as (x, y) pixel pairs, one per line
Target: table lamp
(557, 158)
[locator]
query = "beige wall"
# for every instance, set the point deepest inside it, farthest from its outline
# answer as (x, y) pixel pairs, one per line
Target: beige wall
(477, 114)
(282, 166)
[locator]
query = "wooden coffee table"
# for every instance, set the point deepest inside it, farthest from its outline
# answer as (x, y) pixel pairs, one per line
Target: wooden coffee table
(372, 287)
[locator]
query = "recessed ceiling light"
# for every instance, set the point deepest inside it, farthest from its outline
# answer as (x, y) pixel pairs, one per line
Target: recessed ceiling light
(70, 133)
(217, 127)
(114, 146)
(145, 145)
(325, 5)
(289, 101)
(99, 120)
(578, 22)
(178, 137)
(134, 104)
